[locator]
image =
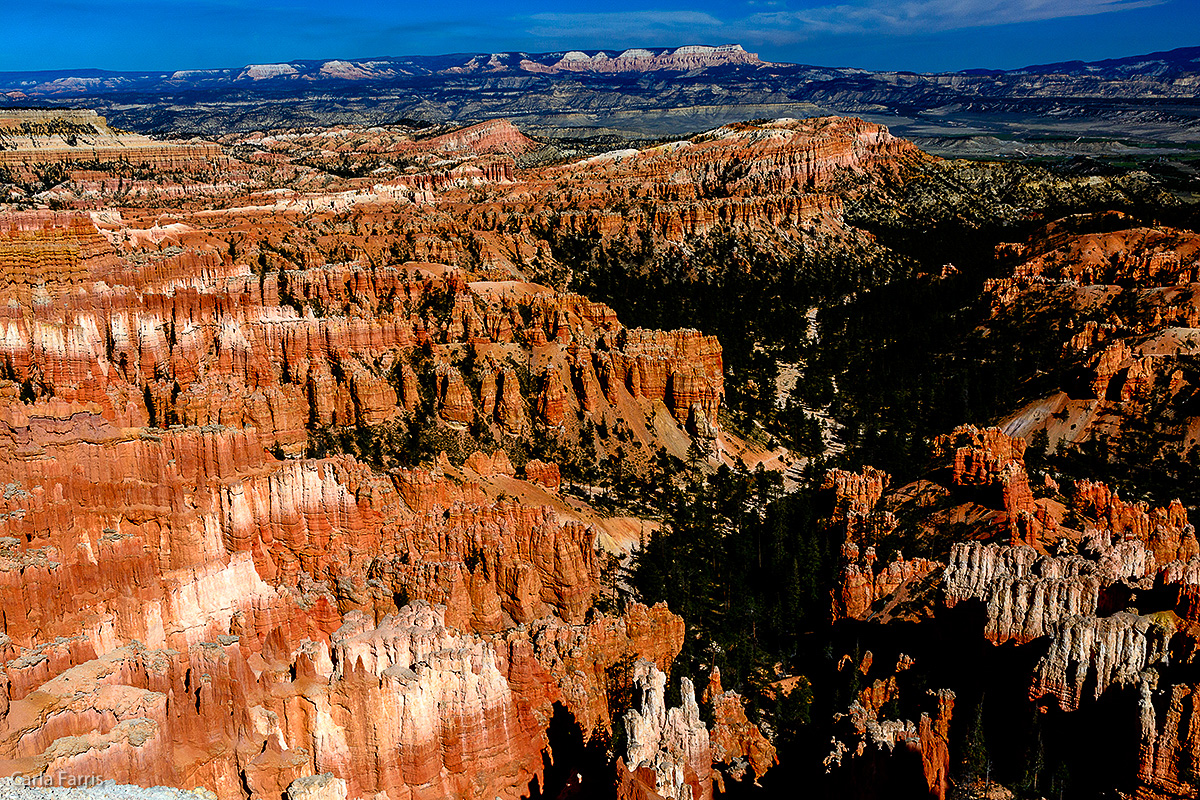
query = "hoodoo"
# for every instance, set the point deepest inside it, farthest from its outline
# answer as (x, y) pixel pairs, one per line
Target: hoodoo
(413, 460)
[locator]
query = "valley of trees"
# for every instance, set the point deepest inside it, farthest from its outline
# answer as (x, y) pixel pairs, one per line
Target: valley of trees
(903, 350)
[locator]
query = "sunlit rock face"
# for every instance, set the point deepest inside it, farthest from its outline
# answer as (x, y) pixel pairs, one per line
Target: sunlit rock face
(183, 607)
(670, 743)
(190, 601)
(271, 520)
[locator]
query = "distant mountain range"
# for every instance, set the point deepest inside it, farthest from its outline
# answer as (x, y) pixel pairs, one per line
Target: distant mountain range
(649, 92)
(1164, 65)
(379, 70)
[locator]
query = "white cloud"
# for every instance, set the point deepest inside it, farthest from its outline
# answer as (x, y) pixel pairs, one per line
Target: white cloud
(643, 26)
(879, 17)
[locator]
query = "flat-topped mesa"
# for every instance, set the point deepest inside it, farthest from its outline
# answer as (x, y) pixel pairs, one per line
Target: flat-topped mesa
(15, 119)
(49, 136)
(493, 136)
(681, 59)
(763, 178)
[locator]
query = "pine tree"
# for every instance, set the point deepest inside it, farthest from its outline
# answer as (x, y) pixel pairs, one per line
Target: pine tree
(976, 761)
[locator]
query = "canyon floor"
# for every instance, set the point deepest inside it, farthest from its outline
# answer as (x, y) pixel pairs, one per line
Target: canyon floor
(417, 462)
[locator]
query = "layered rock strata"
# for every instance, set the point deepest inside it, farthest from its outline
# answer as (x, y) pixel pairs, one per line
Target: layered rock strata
(200, 586)
(45, 137)
(188, 600)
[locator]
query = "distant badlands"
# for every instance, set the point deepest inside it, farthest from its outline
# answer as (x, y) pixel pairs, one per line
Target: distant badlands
(681, 59)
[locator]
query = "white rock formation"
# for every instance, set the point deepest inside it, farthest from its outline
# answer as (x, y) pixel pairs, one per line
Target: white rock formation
(672, 742)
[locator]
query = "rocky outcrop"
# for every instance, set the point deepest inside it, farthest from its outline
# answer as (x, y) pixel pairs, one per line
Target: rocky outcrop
(490, 466)
(672, 743)
(1124, 361)
(454, 399)
(43, 136)
(588, 661)
(544, 474)
(980, 455)
(863, 584)
(177, 596)
(737, 744)
(1166, 532)
(1170, 738)
(317, 787)
(1099, 653)
(855, 493)
(1132, 255)
(45, 255)
(449, 711)
(681, 59)
(869, 750)
(1027, 594)
(862, 581)
(680, 369)
(494, 136)
(150, 356)
(552, 399)
(464, 715)
(934, 737)
(232, 550)
(278, 716)
(983, 458)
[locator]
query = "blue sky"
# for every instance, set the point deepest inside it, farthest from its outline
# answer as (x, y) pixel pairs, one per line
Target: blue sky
(923, 35)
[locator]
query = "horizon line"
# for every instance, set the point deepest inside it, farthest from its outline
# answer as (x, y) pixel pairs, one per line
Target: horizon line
(660, 48)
